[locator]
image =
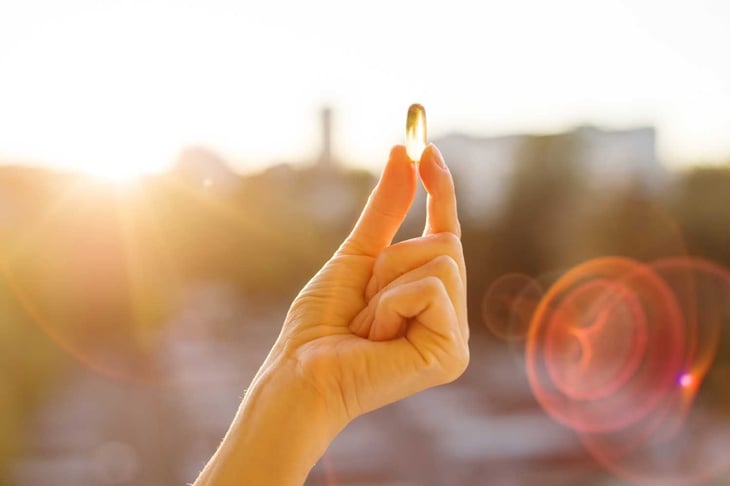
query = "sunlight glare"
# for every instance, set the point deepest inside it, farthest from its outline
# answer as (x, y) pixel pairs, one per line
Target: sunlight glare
(116, 173)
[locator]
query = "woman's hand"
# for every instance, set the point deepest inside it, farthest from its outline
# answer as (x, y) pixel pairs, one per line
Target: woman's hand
(377, 323)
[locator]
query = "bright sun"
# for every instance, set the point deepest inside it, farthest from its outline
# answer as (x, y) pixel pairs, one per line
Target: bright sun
(121, 164)
(114, 172)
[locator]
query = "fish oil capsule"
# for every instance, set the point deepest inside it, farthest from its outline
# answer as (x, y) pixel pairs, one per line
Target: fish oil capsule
(415, 131)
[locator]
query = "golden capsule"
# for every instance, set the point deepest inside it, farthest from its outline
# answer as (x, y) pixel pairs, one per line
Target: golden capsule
(415, 131)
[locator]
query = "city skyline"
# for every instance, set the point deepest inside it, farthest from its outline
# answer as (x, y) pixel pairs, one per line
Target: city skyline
(94, 87)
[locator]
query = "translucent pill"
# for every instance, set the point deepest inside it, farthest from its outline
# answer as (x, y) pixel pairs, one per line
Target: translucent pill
(415, 131)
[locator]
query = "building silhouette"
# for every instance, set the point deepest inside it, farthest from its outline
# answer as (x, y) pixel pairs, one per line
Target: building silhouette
(483, 166)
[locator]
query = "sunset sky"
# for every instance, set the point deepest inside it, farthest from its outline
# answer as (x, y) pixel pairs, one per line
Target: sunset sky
(122, 86)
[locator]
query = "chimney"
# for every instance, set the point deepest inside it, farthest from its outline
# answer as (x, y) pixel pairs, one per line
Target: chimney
(325, 156)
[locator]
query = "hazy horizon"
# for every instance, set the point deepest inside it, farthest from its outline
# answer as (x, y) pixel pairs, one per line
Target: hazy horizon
(84, 82)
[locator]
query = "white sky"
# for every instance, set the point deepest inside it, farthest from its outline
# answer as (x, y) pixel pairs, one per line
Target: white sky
(97, 83)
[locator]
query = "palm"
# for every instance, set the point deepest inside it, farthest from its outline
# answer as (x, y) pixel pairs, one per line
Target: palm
(358, 374)
(340, 363)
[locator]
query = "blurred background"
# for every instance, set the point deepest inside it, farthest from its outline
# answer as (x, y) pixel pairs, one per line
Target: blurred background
(173, 173)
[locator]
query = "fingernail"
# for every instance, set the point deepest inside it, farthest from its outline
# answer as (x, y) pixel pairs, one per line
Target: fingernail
(437, 157)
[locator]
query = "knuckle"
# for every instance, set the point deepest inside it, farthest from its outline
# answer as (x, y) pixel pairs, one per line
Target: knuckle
(434, 285)
(386, 298)
(457, 365)
(445, 265)
(352, 246)
(464, 359)
(384, 210)
(449, 240)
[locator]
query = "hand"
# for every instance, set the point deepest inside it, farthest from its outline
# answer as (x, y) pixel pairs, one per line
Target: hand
(376, 324)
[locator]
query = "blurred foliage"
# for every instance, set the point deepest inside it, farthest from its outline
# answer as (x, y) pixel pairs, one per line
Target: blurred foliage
(28, 364)
(545, 197)
(700, 203)
(94, 265)
(86, 265)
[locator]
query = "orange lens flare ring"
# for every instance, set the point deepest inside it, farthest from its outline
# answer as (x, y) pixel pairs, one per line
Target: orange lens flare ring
(599, 368)
(618, 350)
(595, 348)
(509, 304)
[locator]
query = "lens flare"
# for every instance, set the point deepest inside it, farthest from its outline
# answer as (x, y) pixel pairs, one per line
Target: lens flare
(415, 131)
(605, 342)
(685, 380)
(620, 350)
(508, 305)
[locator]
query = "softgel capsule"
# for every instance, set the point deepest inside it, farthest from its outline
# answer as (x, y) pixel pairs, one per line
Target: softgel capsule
(415, 132)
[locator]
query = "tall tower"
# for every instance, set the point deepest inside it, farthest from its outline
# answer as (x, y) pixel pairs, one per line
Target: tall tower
(325, 156)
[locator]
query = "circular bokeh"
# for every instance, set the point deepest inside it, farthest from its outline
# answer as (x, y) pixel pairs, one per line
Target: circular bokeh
(621, 352)
(509, 304)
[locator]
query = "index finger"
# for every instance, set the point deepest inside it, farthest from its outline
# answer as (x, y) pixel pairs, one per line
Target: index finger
(442, 215)
(386, 208)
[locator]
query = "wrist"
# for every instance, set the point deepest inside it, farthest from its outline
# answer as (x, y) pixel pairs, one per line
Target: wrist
(281, 429)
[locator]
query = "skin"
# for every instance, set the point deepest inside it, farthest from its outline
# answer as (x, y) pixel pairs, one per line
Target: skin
(377, 323)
